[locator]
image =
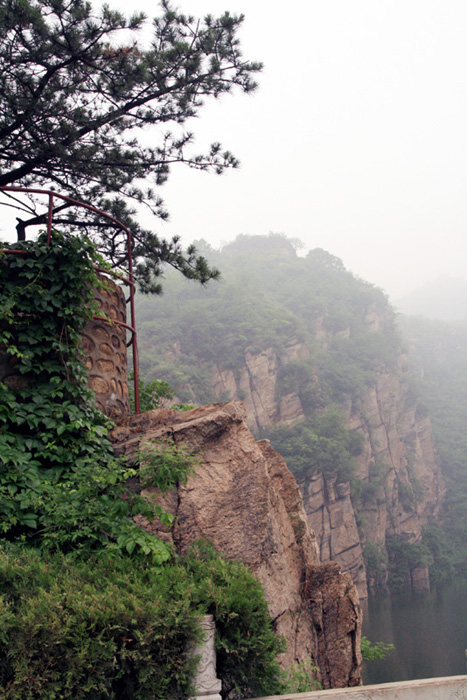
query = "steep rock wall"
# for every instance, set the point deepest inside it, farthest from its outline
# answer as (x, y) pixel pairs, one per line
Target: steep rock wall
(244, 499)
(401, 474)
(256, 384)
(401, 483)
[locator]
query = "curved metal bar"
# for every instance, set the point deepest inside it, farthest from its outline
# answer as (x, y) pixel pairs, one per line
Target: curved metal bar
(127, 280)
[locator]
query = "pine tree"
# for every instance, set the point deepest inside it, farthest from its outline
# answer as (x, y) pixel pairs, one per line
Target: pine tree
(75, 96)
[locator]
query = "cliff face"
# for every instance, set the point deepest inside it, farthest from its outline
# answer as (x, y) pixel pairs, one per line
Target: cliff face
(243, 498)
(401, 486)
(256, 383)
(299, 340)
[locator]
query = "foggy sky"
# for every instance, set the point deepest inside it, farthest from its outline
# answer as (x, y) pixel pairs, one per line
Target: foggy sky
(355, 141)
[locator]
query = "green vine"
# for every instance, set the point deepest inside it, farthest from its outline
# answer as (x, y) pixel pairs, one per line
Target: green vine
(60, 485)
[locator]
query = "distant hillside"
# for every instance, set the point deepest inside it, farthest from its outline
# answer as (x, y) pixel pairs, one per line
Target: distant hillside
(314, 354)
(444, 299)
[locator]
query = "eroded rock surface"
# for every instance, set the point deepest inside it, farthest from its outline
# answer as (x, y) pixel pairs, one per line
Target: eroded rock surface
(402, 485)
(256, 385)
(244, 499)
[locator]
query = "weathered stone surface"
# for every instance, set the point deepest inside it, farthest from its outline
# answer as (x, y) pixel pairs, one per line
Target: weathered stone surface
(399, 467)
(331, 516)
(107, 368)
(336, 613)
(256, 386)
(449, 688)
(244, 499)
(402, 465)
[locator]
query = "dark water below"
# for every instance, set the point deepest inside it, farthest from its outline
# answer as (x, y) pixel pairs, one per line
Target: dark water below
(429, 632)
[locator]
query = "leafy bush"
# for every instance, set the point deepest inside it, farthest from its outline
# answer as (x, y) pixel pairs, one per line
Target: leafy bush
(404, 557)
(108, 629)
(93, 631)
(151, 394)
(375, 560)
(301, 678)
(443, 552)
(246, 643)
(165, 464)
(60, 484)
(373, 651)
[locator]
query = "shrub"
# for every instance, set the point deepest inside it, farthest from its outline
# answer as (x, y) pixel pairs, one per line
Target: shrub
(108, 629)
(300, 678)
(373, 651)
(60, 484)
(97, 630)
(246, 643)
(404, 557)
(320, 443)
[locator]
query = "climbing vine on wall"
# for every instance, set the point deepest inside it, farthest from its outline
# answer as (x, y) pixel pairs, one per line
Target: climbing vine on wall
(60, 484)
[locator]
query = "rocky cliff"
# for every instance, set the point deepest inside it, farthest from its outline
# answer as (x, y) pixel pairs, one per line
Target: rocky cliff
(401, 487)
(293, 337)
(243, 498)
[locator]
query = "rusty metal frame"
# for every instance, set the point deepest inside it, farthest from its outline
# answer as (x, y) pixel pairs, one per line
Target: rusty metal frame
(127, 280)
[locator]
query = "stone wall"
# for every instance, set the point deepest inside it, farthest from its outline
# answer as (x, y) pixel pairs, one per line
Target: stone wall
(104, 346)
(105, 355)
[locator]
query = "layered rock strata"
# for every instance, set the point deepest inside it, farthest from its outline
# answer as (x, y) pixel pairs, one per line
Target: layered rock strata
(256, 384)
(243, 498)
(402, 487)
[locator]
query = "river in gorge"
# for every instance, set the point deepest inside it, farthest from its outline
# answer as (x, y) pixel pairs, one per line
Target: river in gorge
(429, 632)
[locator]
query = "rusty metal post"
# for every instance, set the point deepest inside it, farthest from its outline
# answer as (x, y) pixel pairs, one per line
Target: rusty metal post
(49, 218)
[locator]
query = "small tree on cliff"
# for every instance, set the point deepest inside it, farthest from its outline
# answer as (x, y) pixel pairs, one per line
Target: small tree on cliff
(74, 100)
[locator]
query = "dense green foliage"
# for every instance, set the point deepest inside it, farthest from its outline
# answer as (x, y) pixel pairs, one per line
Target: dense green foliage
(373, 651)
(163, 465)
(267, 297)
(246, 644)
(60, 484)
(91, 606)
(151, 394)
(320, 443)
(106, 628)
(301, 678)
(154, 395)
(438, 353)
(376, 562)
(77, 88)
(95, 630)
(404, 557)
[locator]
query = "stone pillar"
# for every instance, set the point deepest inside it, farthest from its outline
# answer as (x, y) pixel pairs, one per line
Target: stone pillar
(105, 355)
(207, 684)
(104, 346)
